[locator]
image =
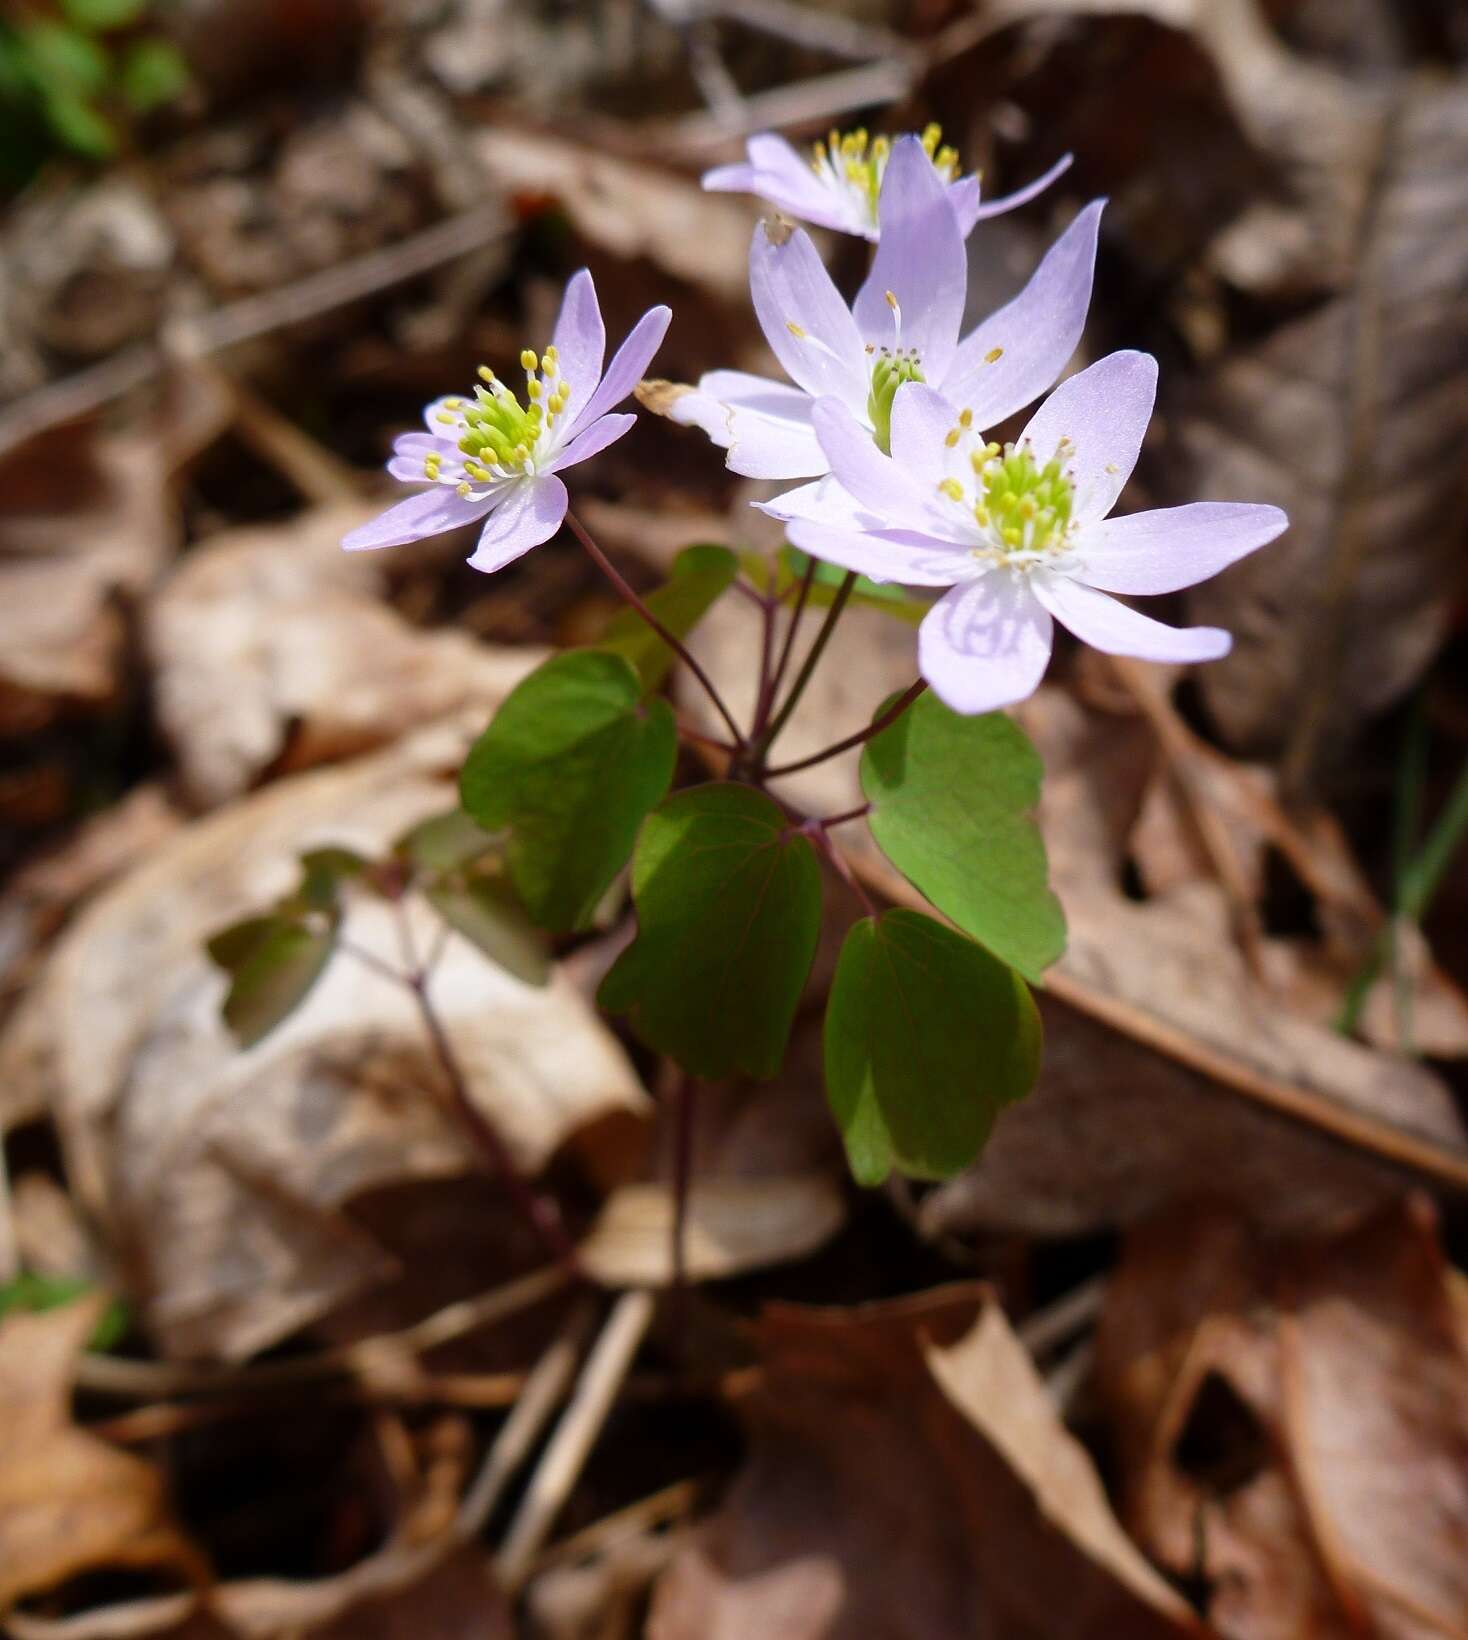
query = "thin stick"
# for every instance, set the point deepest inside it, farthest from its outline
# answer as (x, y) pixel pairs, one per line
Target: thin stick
(190, 338)
(812, 660)
(615, 576)
(893, 712)
(113, 1375)
(766, 694)
(596, 1390)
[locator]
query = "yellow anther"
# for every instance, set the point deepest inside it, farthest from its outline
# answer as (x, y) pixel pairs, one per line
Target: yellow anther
(953, 436)
(795, 329)
(522, 455)
(528, 360)
(965, 419)
(891, 301)
(994, 355)
(444, 419)
(932, 136)
(485, 374)
(982, 516)
(551, 355)
(533, 390)
(453, 404)
(951, 488)
(462, 489)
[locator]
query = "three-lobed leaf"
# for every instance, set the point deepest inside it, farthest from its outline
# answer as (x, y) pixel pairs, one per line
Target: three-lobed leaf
(728, 898)
(571, 763)
(952, 808)
(700, 577)
(927, 1038)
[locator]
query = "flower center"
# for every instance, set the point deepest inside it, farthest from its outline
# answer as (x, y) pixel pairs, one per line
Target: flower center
(1019, 504)
(855, 163)
(498, 436)
(890, 369)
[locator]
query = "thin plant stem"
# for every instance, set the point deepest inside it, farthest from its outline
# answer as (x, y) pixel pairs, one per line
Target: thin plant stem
(858, 813)
(766, 694)
(812, 660)
(816, 831)
(807, 581)
(619, 581)
(685, 1109)
(537, 1212)
(875, 727)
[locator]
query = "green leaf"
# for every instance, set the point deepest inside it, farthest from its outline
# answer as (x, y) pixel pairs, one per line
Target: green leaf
(952, 801)
(67, 64)
(927, 1038)
(35, 1293)
(273, 974)
(701, 575)
(570, 764)
(485, 911)
(728, 899)
(323, 871)
(153, 73)
(445, 842)
(76, 123)
(103, 14)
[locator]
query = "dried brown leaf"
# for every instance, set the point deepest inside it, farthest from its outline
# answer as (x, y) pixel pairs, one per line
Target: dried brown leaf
(70, 1503)
(224, 1176)
(272, 648)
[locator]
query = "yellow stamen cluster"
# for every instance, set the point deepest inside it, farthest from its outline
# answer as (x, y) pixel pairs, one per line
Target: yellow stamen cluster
(889, 371)
(1021, 505)
(856, 158)
(499, 435)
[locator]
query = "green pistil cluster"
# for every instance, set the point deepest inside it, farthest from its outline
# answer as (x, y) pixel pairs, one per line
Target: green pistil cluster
(1019, 503)
(499, 435)
(861, 160)
(889, 371)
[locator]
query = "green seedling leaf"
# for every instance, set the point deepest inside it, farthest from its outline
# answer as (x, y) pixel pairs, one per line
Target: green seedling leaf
(65, 62)
(34, 1293)
(230, 946)
(79, 125)
(701, 575)
(571, 764)
(485, 911)
(323, 871)
(728, 900)
(153, 73)
(445, 842)
(273, 975)
(952, 804)
(98, 15)
(927, 1038)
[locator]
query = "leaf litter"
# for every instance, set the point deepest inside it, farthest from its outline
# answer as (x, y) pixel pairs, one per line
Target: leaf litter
(1266, 1432)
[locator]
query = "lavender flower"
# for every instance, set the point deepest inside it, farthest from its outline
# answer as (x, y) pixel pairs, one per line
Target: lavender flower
(903, 327)
(1020, 534)
(489, 456)
(841, 185)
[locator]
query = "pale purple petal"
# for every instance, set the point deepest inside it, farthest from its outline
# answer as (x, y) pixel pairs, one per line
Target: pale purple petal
(922, 419)
(1034, 335)
(985, 644)
(1104, 412)
(591, 441)
(1022, 196)
(963, 196)
(774, 171)
(1116, 629)
(765, 426)
(628, 364)
(431, 513)
(809, 328)
(860, 467)
(422, 444)
(913, 561)
(530, 512)
(920, 261)
(409, 470)
(1173, 547)
(580, 338)
(826, 502)
(434, 413)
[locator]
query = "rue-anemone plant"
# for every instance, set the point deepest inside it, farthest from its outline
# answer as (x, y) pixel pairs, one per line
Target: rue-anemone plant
(883, 431)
